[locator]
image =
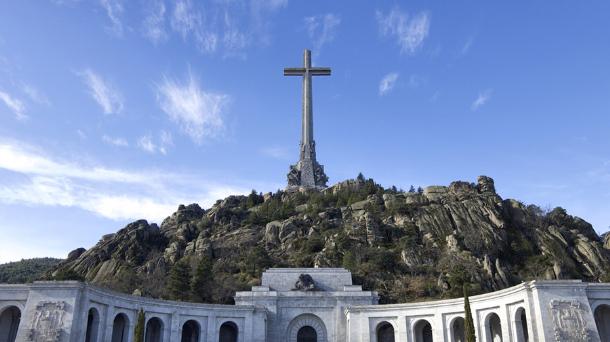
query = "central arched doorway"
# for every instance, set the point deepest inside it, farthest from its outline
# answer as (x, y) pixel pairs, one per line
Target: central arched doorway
(521, 325)
(385, 332)
(306, 328)
(9, 323)
(307, 334)
(602, 321)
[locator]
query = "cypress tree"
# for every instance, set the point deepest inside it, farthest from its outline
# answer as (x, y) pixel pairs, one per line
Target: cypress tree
(202, 279)
(468, 322)
(138, 335)
(179, 282)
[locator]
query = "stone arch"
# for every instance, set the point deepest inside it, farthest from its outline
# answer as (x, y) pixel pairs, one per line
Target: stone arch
(493, 328)
(191, 331)
(154, 330)
(93, 325)
(602, 321)
(120, 328)
(457, 329)
(422, 331)
(10, 317)
(228, 332)
(521, 325)
(307, 334)
(385, 332)
(309, 320)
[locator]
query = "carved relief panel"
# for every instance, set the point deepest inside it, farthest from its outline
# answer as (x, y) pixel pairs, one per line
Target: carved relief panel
(568, 320)
(47, 323)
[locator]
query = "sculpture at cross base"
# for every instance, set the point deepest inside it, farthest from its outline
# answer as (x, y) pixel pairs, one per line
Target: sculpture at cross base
(307, 173)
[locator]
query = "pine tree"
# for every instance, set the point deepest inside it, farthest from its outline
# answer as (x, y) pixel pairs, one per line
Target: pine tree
(202, 280)
(468, 322)
(138, 335)
(179, 283)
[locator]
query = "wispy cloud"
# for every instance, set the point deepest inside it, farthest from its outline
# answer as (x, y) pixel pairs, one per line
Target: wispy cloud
(188, 21)
(14, 104)
(467, 45)
(199, 113)
(154, 22)
(112, 193)
(322, 29)
(103, 92)
(145, 143)
(115, 141)
(387, 83)
(481, 100)
(409, 33)
(114, 11)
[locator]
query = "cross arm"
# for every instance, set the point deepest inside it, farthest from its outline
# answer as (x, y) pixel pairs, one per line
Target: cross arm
(320, 71)
(294, 71)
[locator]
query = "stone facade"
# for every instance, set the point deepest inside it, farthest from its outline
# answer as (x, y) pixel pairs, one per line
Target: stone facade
(288, 307)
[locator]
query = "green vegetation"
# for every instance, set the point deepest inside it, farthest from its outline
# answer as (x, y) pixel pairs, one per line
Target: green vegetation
(469, 332)
(26, 270)
(138, 335)
(178, 286)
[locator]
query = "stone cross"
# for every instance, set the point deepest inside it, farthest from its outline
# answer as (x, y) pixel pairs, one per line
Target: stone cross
(307, 172)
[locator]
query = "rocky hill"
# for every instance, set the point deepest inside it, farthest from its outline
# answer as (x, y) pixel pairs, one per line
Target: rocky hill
(406, 245)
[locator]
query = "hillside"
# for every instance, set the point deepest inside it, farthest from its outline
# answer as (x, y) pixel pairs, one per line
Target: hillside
(26, 270)
(406, 245)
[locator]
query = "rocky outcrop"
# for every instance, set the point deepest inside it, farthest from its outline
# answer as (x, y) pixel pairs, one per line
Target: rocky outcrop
(403, 244)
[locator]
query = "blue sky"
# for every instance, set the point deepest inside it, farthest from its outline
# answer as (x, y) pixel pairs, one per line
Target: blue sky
(116, 110)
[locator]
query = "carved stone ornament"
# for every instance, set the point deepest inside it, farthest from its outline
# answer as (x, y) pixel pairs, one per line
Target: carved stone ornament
(47, 323)
(568, 320)
(305, 283)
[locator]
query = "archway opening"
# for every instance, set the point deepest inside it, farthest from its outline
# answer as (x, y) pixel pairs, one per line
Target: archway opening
(457, 330)
(93, 323)
(602, 320)
(307, 334)
(190, 331)
(521, 325)
(154, 330)
(494, 328)
(228, 332)
(385, 332)
(9, 323)
(120, 328)
(423, 331)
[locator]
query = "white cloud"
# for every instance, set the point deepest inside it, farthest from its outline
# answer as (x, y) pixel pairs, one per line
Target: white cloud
(198, 113)
(481, 99)
(187, 21)
(103, 92)
(81, 134)
(115, 141)
(114, 10)
(112, 193)
(321, 29)
(147, 143)
(154, 23)
(14, 104)
(387, 83)
(409, 33)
